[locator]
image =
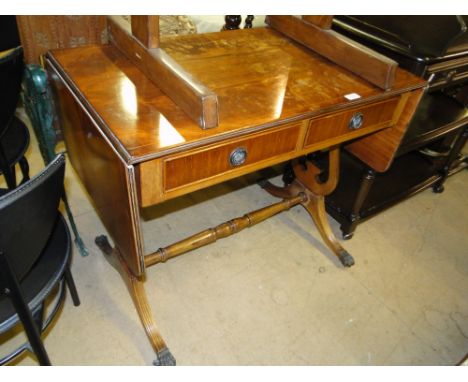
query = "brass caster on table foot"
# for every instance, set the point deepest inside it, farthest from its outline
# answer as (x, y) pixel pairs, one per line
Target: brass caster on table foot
(103, 243)
(164, 358)
(346, 259)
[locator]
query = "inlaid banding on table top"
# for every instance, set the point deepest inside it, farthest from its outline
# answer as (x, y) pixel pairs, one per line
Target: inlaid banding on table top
(261, 78)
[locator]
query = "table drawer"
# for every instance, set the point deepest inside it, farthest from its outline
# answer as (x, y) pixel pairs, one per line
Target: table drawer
(350, 124)
(234, 156)
(177, 174)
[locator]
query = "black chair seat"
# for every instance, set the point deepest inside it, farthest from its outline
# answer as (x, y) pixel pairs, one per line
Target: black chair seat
(35, 252)
(42, 278)
(15, 141)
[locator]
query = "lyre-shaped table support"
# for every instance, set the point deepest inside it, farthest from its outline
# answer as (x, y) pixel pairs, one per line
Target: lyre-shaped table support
(306, 182)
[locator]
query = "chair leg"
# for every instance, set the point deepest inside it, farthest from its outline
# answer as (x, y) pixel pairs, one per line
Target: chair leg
(78, 241)
(13, 290)
(24, 166)
(7, 171)
(71, 286)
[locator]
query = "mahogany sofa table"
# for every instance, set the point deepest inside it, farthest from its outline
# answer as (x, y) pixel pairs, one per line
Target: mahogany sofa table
(133, 147)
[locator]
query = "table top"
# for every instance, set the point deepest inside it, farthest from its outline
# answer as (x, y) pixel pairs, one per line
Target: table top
(261, 78)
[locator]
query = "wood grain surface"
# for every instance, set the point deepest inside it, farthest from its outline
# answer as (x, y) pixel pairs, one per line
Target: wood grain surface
(105, 175)
(198, 102)
(261, 78)
(378, 150)
(146, 30)
(334, 129)
(39, 34)
(359, 59)
(321, 21)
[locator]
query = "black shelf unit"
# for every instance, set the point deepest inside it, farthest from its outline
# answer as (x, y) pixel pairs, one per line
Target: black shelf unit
(409, 174)
(431, 148)
(437, 116)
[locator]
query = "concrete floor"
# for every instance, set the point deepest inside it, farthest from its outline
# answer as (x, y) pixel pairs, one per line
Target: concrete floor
(273, 294)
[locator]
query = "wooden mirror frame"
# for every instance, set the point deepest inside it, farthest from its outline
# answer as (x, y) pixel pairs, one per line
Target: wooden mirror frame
(139, 42)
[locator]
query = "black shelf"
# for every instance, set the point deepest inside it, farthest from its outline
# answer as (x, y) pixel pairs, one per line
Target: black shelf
(409, 174)
(437, 115)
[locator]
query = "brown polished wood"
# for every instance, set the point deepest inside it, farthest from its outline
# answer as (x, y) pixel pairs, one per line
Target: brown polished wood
(379, 150)
(322, 21)
(221, 231)
(136, 288)
(327, 129)
(306, 184)
(200, 104)
(142, 123)
(133, 145)
(146, 30)
(103, 172)
(202, 167)
(175, 175)
(262, 80)
(308, 174)
(186, 169)
(39, 34)
(373, 66)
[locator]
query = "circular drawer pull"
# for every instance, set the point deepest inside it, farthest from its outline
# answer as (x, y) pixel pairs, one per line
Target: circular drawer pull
(356, 121)
(238, 156)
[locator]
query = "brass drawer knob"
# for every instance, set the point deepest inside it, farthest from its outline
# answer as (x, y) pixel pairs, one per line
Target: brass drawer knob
(238, 156)
(356, 121)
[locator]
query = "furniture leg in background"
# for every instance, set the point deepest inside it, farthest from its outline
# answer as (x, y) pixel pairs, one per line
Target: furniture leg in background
(366, 184)
(451, 159)
(39, 107)
(233, 22)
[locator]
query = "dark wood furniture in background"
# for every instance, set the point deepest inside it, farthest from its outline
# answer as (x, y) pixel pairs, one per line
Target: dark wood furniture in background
(434, 48)
(134, 146)
(234, 22)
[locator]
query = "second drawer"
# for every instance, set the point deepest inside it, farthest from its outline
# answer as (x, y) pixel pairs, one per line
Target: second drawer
(350, 124)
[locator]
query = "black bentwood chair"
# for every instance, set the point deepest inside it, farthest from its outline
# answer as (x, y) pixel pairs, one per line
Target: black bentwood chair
(14, 135)
(35, 255)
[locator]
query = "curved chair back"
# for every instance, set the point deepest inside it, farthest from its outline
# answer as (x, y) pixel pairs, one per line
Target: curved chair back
(11, 69)
(28, 215)
(9, 35)
(11, 73)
